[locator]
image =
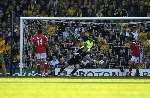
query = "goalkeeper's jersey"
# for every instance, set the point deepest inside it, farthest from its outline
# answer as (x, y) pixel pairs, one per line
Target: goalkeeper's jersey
(89, 44)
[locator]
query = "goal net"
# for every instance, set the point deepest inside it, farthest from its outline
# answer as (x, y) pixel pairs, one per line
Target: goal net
(118, 43)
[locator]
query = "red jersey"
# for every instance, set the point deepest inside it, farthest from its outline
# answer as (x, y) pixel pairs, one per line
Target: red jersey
(40, 42)
(135, 49)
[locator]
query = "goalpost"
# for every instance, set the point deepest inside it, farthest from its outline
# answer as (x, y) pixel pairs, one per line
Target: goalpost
(22, 25)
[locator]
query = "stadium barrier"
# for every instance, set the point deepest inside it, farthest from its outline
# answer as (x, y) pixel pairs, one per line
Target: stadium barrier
(105, 72)
(94, 72)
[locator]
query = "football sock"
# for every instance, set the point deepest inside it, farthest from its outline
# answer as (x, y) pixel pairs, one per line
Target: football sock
(38, 69)
(46, 68)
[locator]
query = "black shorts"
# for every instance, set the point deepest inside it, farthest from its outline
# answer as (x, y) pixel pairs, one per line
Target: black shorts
(77, 58)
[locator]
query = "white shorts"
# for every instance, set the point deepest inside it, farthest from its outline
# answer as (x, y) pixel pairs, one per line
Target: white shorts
(41, 56)
(135, 59)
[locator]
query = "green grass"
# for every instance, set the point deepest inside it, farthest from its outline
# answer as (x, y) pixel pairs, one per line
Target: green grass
(74, 87)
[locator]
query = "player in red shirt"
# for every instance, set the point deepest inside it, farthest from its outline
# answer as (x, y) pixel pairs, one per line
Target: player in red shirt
(135, 52)
(40, 44)
(135, 49)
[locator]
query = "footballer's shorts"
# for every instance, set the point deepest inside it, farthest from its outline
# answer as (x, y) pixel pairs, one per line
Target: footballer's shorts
(136, 60)
(41, 56)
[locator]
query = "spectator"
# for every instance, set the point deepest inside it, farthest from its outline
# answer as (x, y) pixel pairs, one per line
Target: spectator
(120, 12)
(66, 34)
(135, 33)
(61, 61)
(54, 62)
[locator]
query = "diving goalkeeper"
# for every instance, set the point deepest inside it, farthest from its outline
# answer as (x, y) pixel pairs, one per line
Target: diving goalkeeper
(78, 56)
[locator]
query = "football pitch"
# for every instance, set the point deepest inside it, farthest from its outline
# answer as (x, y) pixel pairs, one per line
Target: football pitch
(61, 87)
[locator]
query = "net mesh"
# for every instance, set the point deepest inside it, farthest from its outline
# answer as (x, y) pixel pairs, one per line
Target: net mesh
(111, 48)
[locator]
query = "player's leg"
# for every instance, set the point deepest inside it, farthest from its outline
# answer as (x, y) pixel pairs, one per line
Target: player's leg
(77, 61)
(73, 61)
(137, 62)
(38, 67)
(70, 62)
(44, 65)
(63, 68)
(133, 61)
(38, 64)
(76, 67)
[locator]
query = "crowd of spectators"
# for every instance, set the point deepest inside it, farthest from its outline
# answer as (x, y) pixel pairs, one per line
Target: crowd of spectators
(11, 10)
(111, 42)
(77, 8)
